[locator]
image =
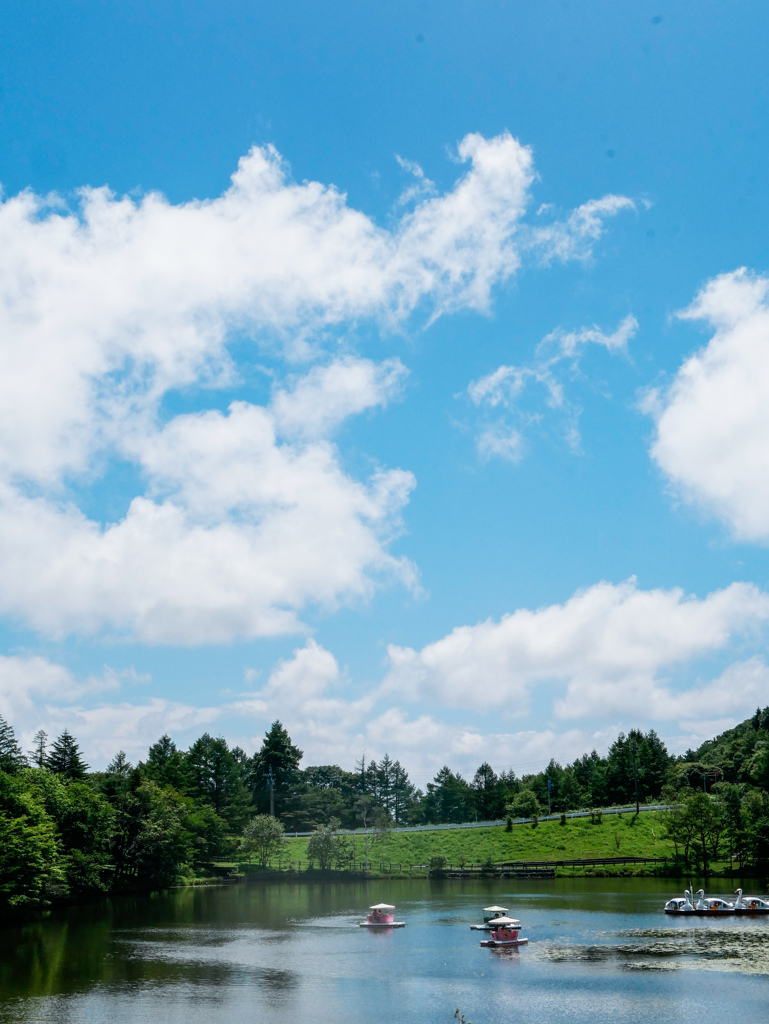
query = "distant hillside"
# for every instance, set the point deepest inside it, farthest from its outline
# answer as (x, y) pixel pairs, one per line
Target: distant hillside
(741, 754)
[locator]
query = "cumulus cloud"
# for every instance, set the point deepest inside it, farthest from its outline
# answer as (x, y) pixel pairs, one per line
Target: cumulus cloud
(500, 394)
(335, 722)
(242, 519)
(37, 693)
(310, 694)
(713, 420)
(310, 691)
(607, 643)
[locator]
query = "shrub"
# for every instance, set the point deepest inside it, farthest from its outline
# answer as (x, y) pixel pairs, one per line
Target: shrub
(438, 864)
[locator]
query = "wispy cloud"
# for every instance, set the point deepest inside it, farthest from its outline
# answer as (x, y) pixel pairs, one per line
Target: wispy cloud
(501, 393)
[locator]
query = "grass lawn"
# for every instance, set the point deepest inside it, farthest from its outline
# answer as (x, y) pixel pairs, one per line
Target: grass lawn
(616, 836)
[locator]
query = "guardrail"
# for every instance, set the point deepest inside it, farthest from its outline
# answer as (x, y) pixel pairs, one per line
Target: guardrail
(496, 822)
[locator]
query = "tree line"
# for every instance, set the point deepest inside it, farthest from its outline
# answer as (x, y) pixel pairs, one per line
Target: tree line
(67, 832)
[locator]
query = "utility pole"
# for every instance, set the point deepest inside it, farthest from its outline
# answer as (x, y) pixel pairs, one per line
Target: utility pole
(272, 793)
(549, 787)
(635, 773)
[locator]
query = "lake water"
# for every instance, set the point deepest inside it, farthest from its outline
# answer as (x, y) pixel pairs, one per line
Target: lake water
(600, 951)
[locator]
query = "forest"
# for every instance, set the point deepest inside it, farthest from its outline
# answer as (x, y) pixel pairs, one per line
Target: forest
(68, 833)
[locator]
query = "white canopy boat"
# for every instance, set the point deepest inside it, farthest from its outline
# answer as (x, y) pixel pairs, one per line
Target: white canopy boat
(489, 913)
(504, 932)
(381, 915)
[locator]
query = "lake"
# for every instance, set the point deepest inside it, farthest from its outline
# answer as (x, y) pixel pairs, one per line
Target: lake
(600, 951)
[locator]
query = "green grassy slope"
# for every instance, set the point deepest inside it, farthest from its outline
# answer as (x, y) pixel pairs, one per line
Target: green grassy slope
(615, 836)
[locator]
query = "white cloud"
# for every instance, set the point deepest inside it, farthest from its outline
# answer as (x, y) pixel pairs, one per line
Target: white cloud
(607, 644)
(308, 691)
(572, 238)
(36, 693)
(335, 723)
(107, 728)
(502, 442)
(713, 420)
(106, 308)
(503, 390)
(562, 344)
(29, 680)
(247, 532)
(320, 400)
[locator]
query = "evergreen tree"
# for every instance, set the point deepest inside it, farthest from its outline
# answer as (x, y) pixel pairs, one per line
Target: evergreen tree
(486, 787)
(116, 781)
(385, 781)
(215, 778)
(11, 757)
(120, 765)
(165, 765)
(243, 762)
(403, 793)
(65, 759)
(449, 798)
(276, 763)
(39, 746)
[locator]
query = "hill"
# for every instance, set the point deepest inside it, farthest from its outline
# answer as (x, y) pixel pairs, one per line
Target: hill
(614, 835)
(740, 754)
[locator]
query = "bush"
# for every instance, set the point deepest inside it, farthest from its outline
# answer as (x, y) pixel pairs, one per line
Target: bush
(563, 819)
(438, 864)
(263, 836)
(323, 845)
(525, 805)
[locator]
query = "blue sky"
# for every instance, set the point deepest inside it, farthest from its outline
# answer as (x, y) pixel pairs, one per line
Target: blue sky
(483, 491)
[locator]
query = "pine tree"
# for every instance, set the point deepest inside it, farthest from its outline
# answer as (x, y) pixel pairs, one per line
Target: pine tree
(403, 792)
(11, 757)
(38, 752)
(215, 778)
(65, 758)
(120, 765)
(166, 765)
(385, 782)
(276, 764)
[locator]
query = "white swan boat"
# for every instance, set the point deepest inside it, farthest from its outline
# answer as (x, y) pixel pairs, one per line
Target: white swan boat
(750, 904)
(715, 905)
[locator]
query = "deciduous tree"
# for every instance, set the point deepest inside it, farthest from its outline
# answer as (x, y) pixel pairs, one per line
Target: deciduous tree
(264, 837)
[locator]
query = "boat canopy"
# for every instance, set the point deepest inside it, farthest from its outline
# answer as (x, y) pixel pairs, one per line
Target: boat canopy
(495, 910)
(505, 922)
(382, 906)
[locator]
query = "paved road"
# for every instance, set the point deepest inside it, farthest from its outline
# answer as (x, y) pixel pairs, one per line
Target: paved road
(499, 821)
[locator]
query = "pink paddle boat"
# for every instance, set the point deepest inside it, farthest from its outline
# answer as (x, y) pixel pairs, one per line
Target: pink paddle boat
(504, 932)
(381, 915)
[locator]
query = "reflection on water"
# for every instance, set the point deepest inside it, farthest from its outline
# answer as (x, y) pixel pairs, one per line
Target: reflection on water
(600, 951)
